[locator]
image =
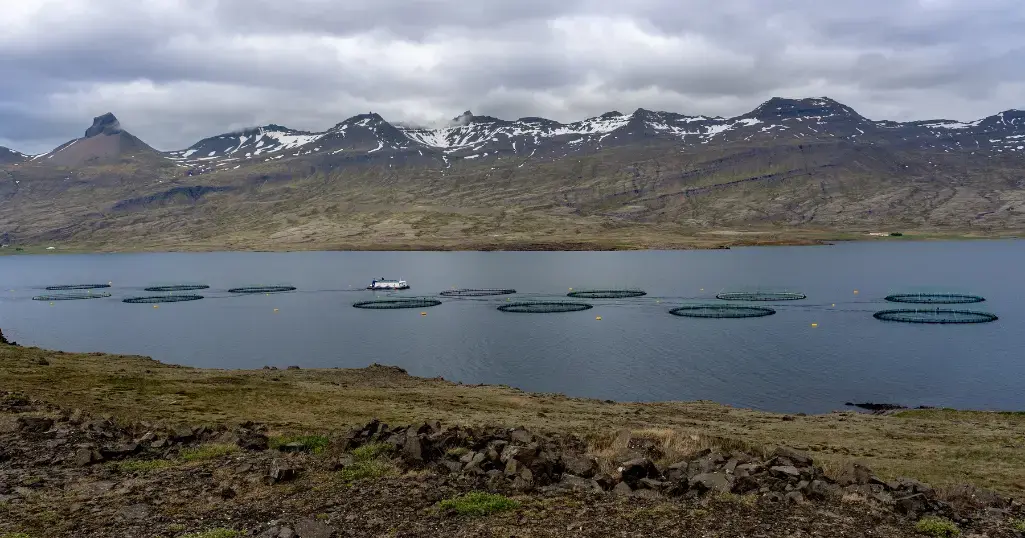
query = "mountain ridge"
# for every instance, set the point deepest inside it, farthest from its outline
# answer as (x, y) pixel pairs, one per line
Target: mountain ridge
(790, 170)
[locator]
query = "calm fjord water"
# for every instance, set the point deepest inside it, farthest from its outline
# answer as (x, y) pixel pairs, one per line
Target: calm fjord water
(636, 352)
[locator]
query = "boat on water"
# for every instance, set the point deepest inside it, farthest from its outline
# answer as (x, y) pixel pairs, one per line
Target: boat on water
(386, 284)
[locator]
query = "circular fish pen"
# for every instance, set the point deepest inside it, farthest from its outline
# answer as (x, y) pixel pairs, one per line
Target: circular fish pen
(389, 304)
(760, 296)
(935, 316)
(606, 294)
(544, 307)
(178, 287)
(70, 296)
(64, 287)
(934, 298)
(262, 289)
(153, 299)
(476, 292)
(721, 311)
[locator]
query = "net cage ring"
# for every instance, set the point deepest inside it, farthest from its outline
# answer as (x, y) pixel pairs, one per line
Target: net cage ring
(178, 287)
(70, 296)
(544, 307)
(262, 289)
(62, 287)
(934, 298)
(761, 296)
(153, 299)
(606, 294)
(721, 311)
(471, 292)
(387, 304)
(935, 316)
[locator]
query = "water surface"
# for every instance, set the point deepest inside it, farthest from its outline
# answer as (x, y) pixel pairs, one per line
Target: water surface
(636, 352)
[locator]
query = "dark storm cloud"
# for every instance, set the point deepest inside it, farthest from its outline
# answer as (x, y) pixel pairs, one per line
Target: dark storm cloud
(178, 70)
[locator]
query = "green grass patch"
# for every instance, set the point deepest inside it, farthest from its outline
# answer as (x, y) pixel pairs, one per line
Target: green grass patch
(479, 504)
(1018, 524)
(15, 535)
(371, 451)
(364, 470)
(310, 443)
(208, 452)
(937, 527)
(139, 466)
(214, 533)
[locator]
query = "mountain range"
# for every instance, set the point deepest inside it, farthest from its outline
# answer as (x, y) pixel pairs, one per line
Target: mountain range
(789, 169)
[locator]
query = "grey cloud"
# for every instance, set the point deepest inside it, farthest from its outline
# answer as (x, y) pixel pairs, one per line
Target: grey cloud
(178, 70)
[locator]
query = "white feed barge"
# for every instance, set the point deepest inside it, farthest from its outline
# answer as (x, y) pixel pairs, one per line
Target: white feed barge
(383, 284)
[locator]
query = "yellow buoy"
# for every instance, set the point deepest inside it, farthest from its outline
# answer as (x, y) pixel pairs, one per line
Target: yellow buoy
(275, 309)
(834, 304)
(423, 313)
(814, 324)
(51, 304)
(855, 292)
(598, 318)
(156, 306)
(571, 289)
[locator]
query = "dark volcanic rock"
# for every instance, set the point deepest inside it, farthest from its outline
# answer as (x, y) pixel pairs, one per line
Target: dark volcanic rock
(633, 471)
(106, 124)
(34, 424)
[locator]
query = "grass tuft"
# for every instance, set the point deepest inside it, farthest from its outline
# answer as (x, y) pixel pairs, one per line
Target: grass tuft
(479, 504)
(371, 451)
(208, 452)
(15, 535)
(310, 443)
(1018, 525)
(457, 452)
(214, 533)
(364, 470)
(139, 466)
(937, 527)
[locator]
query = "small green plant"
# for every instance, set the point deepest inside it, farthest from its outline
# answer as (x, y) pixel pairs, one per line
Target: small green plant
(214, 533)
(323, 517)
(1018, 525)
(457, 452)
(478, 503)
(15, 535)
(310, 443)
(363, 470)
(937, 527)
(176, 527)
(208, 452)
(138, 466)
(371, 451)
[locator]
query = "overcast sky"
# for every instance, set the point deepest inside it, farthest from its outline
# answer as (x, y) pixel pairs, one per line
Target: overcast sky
(175, 71)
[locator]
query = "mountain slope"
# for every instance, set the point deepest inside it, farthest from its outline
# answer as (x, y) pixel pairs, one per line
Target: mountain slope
(103, 142)
(791, 169)
(9, 156)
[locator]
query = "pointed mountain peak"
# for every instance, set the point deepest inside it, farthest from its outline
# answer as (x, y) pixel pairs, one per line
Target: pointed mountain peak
(106, 124)
(612, 114)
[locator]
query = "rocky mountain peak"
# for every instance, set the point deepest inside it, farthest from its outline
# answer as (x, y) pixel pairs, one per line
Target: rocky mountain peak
(821, 107)
(106, 124)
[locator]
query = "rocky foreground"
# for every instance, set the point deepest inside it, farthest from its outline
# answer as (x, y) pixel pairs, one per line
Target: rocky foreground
(65, 473)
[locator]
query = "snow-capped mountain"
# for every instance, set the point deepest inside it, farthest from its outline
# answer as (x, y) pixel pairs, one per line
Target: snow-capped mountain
(8, 156)
(369, 137)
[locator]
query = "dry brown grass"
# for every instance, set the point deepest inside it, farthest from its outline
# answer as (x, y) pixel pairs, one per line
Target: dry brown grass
(943, 448)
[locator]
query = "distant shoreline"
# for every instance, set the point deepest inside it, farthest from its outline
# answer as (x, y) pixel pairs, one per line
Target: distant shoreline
(715, 240)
